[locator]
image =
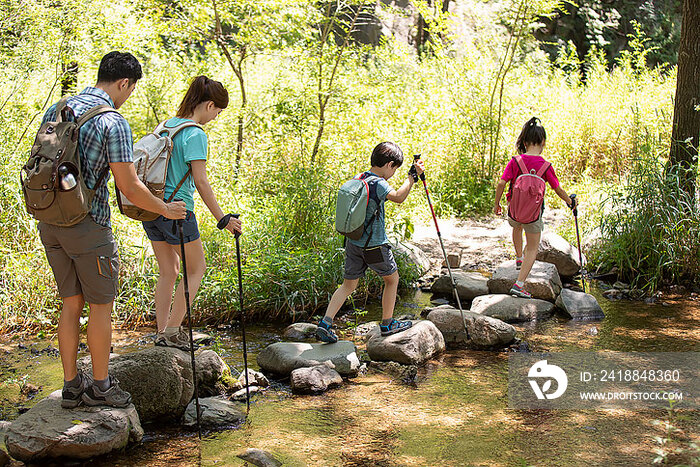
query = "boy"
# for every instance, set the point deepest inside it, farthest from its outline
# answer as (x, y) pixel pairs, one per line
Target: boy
(372, 249)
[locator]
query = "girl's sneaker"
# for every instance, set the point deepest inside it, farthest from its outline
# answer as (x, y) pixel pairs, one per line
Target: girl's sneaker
(518, 291)
(324, 333)
(394, 327)
(518, 264)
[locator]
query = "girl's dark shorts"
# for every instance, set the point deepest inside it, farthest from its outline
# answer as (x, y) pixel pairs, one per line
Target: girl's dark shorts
(161, 230)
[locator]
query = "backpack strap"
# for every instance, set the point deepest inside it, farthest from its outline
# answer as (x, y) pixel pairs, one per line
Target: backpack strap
(521, 164)
(373, 195)
(543, 169)
(94, 112)
(170, 198)
(171, 132)
(62, 110)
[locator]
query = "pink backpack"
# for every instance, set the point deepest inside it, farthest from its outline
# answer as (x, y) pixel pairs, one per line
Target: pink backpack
(527, 193)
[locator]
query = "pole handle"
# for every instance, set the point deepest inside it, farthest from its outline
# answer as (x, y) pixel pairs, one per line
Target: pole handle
(223, 222)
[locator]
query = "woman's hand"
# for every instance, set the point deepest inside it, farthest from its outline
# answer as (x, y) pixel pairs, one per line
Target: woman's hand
(234, 225)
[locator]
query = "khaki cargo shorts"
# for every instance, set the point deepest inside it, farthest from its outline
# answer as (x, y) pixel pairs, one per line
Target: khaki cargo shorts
(84, 260)
(532, 227)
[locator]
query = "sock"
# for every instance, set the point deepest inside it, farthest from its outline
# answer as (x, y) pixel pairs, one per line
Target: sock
(386, 322)
(74, 383)
(171, 330)
(103, 384)
(519, 283)
(328, 321)
(519, 258)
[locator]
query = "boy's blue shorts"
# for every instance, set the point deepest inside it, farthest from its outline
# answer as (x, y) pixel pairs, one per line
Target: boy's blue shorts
(161, 230)
(356, 261)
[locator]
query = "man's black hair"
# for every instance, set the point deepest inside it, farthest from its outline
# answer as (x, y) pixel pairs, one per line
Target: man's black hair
(387, 152)
(117, 65)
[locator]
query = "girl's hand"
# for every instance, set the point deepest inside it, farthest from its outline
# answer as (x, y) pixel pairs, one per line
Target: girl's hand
(498, 210)
(234, 225)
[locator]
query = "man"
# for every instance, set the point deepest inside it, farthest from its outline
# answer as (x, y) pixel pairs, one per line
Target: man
(84, 257)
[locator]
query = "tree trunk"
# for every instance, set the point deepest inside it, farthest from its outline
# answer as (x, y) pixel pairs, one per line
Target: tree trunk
(70, 78)
(685, 138)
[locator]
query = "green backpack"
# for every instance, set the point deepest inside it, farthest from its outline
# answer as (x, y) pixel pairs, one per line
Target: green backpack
(351, 205)
(52, 179)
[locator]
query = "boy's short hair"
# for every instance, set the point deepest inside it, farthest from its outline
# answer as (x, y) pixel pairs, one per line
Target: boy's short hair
(387, 152)
(119, 65)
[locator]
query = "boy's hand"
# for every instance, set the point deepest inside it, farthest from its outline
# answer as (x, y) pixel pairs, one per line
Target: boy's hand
(420, 167)
(497, 210)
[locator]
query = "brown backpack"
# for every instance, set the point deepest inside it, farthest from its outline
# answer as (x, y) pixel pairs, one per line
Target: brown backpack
(52, 179)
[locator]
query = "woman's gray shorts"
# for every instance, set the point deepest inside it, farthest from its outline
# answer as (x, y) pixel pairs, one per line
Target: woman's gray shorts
(356, 261)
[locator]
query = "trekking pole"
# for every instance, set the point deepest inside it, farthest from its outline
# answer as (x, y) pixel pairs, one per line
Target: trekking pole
(178, 223)
(574, 209)
(223, 222)
(442, 245)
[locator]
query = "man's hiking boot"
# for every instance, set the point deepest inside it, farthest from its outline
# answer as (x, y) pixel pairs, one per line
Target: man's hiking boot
(394, 327)
(179, 340)
(324, 333)
(114, 396)
(518, 264)
(71, 397)
(520, 292)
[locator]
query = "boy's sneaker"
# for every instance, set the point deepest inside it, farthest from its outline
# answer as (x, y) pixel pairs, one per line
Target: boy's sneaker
(324, 333)
(394, 327)
(114, 396)
(518, 264)
(518, 291)
(71, 397)
(179, 340)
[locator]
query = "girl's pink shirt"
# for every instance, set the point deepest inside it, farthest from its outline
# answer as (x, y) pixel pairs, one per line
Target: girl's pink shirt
(531, 162)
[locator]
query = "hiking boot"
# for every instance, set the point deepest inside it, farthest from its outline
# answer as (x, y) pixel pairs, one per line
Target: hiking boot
(395, 326)
(71, 397)
(179, 340)
(518, 264)
(324, 333)
(520, 292)
(114, 396)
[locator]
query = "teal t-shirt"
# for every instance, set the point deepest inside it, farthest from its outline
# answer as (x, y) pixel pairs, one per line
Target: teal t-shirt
(190, 144)
(378, 230)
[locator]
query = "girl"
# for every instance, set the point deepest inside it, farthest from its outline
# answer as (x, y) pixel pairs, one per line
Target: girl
(530, 145)
(187, 170)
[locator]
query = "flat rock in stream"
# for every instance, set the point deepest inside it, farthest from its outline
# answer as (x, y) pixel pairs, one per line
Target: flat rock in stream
(214, 412)
(484, 332)
(259, 458)
(314, 380)
(284, 357)
(469, 285)
(300, 332)
(414, 346)
(512, 309)
(579, 305)
(543, 282)
(48, 431)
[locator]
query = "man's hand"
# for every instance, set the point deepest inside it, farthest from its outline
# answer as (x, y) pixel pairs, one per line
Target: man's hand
(175, 210)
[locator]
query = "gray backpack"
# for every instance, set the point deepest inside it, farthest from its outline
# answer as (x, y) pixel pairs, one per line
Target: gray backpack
(52, 179)
(151, 158)
(351, 205)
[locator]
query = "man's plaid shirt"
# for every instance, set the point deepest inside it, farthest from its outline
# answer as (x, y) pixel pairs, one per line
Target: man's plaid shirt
(103, 139)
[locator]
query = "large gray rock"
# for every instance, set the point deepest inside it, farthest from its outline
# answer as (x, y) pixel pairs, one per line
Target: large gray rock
(284, 357)
(159, 380)
(300, 331)
(214, 412)
(557, 251)
(48, 431)
(411, 347)
(255, 378)
(543, 282)
(484, 331)
(512, 309)
(414, 255)
(211, 368)
(469, 285)
(259, 458)
(314, 380)
(579, 305)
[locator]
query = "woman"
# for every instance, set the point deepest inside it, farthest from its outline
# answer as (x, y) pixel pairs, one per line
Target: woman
(204, 100)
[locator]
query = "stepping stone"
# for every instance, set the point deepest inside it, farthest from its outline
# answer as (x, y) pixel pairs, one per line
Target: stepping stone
(484, 331)
(543, 282)
(557, 251)
(469, 285)
(415, 255)
(259, 458)
(48, 431)
(512, 309)
(211, 369)
(214, 412)
(300, 332)
(414, 346)
(579, 305)
(284, 357)
(314, 380)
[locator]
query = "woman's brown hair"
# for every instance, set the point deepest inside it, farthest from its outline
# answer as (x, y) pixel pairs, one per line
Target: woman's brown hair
(203, 89)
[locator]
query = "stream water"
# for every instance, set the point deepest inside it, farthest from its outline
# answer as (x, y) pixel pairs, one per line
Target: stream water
(456, 414)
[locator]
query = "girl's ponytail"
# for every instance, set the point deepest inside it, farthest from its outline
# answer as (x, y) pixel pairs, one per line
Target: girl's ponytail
(202, 89)
(532, 134)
